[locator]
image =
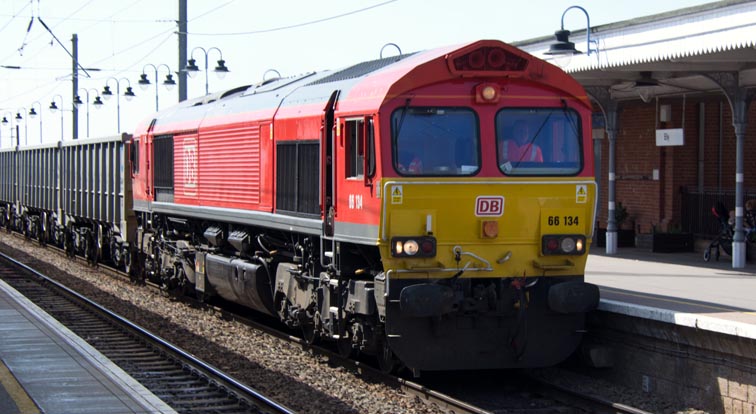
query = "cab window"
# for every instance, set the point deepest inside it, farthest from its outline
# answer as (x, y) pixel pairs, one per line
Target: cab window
(538, 141)
(355, 151)
(435, 141)
(134, 156)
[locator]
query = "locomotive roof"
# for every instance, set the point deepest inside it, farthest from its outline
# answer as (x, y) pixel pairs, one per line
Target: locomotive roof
(363, 87)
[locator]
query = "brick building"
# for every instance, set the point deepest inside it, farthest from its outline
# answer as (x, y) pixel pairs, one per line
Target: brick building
(689, 76)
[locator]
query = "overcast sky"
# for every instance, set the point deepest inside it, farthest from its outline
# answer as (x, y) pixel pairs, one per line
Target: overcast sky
(120, 37)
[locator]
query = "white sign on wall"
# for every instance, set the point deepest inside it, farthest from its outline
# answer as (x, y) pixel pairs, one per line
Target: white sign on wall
(669, 137)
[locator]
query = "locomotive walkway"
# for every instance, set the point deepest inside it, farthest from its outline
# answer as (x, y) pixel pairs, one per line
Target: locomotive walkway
(677, 288)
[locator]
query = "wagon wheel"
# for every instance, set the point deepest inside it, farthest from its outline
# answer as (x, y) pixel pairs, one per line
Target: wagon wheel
(52, 230)
(26, 224)
(126, 253)
(179, 286)
(116, 255)
(387, 361)
(88, 248)
(96, 240)
(68, 241)
(42, 233)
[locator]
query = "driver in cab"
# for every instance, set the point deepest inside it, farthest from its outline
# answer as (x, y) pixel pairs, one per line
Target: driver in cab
(520, 148)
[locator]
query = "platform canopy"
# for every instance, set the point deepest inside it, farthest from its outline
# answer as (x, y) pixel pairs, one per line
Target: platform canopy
(663, 54)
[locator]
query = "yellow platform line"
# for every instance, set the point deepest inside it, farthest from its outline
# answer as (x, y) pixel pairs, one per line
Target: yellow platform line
(16, 391)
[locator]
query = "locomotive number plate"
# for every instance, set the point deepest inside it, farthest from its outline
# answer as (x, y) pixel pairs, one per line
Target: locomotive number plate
(563, 220)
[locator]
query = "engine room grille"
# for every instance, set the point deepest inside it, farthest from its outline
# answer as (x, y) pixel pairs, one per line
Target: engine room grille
(297, 177)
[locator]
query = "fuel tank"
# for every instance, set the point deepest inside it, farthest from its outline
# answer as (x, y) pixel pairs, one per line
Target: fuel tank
(240, 281)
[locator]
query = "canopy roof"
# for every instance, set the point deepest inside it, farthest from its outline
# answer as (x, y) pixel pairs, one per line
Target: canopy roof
(664, 54)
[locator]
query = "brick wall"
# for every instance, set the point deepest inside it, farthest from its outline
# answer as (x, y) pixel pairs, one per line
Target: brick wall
(652, 202)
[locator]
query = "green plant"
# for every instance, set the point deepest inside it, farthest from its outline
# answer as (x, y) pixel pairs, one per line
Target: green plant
(620, 214)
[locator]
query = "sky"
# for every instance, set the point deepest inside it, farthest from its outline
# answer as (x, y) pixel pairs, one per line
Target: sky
(119, 40)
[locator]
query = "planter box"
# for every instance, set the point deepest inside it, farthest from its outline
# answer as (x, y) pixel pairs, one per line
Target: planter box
(672, 242)
(625, 238)
(644, 241)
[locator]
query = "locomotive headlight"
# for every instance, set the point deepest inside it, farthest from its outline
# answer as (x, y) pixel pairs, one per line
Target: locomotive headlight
(568, 245)
(411, 247)
(422, 246)
(488, 93)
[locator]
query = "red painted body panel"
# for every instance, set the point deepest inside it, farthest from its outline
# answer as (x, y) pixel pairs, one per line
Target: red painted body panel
(186, 169)
(230, 167)
(236, 151)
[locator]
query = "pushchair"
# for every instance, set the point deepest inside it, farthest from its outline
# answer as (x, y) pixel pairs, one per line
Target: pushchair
(724, 239)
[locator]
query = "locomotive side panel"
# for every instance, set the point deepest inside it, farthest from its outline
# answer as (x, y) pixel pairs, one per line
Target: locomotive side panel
(186, 169)
(229, 167)
(298, 136)
(357, 201)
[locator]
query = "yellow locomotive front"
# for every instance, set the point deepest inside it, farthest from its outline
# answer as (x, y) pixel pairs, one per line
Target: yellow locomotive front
(486, 223)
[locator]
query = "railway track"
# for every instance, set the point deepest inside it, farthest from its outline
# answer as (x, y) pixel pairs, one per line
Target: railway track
(184, 382)
(474, 393)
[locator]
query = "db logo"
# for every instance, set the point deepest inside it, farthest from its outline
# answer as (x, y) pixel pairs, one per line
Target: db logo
(489, 206)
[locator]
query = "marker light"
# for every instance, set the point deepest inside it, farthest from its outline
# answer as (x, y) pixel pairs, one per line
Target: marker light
(490, 229)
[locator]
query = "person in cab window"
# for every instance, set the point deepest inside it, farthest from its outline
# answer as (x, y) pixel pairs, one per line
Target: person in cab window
(410, 163)
(520, 148)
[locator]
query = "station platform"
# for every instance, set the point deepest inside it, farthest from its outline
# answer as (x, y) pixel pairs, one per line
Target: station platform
(678, 288)
(45, 368)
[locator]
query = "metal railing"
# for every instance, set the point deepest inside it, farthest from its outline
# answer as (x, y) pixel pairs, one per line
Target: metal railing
(695, 209)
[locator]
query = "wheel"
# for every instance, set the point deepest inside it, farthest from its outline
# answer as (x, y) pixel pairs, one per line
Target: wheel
(69, 242)
(344, 346)
(308, 332)
(727, 246)
(115, 254)
(387, 361)
(126, 260)
(707, 255)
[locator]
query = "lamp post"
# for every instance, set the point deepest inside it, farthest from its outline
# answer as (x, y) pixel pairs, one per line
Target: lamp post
(20, 111)
(128, 94)
(563, 47)
(97, 102)
(33, 114)
(144, 83)
(221, 70)
(5, 121)
(53, 107)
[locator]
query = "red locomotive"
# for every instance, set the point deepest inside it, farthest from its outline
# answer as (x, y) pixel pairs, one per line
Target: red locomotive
(433, 209)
